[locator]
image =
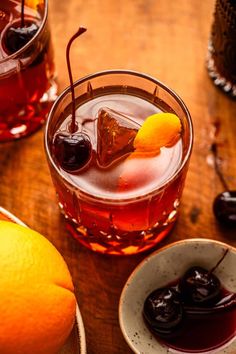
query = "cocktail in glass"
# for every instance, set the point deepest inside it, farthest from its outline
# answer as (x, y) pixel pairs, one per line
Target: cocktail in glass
(117, 204)
(27, 82)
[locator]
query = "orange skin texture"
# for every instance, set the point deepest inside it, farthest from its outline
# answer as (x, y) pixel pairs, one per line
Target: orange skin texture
(158, 130)
(37, 301)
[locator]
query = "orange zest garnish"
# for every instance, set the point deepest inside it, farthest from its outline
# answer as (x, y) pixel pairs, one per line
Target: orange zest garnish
(158, 130)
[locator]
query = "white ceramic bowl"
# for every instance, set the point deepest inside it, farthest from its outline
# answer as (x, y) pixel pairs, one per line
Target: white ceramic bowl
(159, 269)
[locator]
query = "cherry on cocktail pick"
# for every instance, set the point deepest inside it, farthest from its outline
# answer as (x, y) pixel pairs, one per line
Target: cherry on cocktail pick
(19, 33)
(72, 149)
(224, 206)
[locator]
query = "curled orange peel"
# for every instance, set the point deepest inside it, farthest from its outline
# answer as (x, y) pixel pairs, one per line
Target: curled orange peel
(158, 130)
(33, 3)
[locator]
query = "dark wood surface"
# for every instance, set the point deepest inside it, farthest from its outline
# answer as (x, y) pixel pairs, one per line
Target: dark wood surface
(166, 39)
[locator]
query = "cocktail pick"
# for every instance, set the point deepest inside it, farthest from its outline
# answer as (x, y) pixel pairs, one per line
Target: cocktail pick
(224, 205)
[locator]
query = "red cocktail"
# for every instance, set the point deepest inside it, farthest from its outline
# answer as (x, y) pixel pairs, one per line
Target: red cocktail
(27, 86)
(115, 199)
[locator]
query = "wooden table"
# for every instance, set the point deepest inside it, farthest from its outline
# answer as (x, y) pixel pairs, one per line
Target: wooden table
(166, 39)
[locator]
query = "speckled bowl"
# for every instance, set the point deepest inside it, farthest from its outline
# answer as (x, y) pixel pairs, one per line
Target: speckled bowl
(159, 269)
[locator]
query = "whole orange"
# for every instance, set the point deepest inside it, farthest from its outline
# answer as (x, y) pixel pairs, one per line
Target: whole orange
(37, 301)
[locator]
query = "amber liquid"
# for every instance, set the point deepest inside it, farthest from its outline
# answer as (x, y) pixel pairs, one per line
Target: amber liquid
(27, 90)
(120, 220)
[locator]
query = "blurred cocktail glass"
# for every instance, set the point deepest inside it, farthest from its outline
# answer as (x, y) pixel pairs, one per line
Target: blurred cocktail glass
(27, 73)
(221, 58)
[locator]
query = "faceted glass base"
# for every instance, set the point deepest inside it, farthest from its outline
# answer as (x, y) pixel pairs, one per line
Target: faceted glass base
(128, 245)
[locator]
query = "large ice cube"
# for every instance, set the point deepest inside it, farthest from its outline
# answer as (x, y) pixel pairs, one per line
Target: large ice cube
(115, 135)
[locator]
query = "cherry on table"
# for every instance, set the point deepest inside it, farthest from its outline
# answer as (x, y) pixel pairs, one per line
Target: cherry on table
(199, 287)
(17, 37)
(163, 311)
(224, 205)
(224, 208)
(72, 150)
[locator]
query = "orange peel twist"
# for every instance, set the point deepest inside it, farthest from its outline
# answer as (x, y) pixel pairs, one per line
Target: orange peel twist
(158, 130)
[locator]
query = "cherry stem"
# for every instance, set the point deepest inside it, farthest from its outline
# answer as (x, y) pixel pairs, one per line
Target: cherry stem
(214, 150)
(77, 34)
(22, 13)
(218, 263)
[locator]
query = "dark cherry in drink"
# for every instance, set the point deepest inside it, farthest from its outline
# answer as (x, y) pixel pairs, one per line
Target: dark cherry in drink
(27, 86)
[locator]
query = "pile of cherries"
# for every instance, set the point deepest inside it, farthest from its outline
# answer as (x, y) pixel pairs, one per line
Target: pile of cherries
(197, 294)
